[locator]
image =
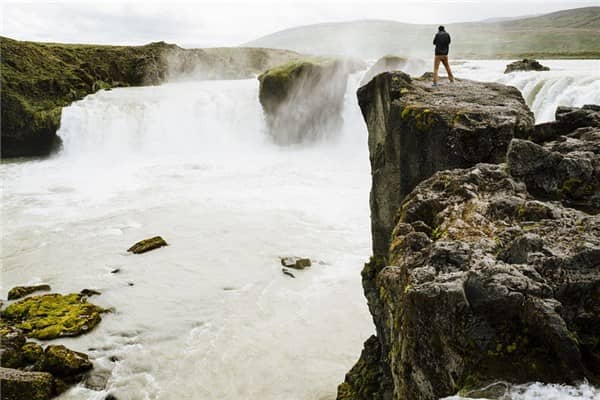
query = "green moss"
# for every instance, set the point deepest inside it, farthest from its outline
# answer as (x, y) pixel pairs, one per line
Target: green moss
(53, 315)
(21, 291)
(423, 119)
(38, 79)
(147, 245)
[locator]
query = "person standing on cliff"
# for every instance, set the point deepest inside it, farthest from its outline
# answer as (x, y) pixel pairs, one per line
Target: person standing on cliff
(442, 47)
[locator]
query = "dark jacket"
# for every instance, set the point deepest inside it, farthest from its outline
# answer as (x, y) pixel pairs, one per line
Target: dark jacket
(442, 43)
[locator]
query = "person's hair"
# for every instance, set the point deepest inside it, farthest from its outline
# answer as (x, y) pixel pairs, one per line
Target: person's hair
(441, 28)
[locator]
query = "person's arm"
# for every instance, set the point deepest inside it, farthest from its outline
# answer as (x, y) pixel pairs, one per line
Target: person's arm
(449, 40)
(435, 39)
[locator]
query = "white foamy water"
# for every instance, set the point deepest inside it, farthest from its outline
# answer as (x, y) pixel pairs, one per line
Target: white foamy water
(568, 83)
(211, 316)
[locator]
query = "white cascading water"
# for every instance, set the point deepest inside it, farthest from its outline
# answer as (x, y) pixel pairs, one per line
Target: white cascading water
(568, 83)
(211, 316)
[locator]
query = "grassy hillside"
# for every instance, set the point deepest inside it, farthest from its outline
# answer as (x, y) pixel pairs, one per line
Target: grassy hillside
(565, 34)
(38, 79)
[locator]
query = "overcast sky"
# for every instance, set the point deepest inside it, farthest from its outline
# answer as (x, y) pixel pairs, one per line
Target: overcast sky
(228, 23)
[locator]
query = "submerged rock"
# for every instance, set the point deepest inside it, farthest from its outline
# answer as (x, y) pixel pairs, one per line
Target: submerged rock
(505, 286)
(287, 272)
(411, 66)
(525, 64)
(416, 130)
(295, 262)
(21, 385)
(53, 315)
(147, 245)
(303, 100)
(21, 291)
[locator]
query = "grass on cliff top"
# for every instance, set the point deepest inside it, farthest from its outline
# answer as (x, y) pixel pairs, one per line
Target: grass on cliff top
(43, 76)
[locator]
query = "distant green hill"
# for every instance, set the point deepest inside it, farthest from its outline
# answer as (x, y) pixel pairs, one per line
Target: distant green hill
(571, 33)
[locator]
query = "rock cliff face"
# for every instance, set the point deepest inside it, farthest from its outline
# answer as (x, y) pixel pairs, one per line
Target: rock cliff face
(38, 79)
(416, 130)
(303, 100)
(490, 272)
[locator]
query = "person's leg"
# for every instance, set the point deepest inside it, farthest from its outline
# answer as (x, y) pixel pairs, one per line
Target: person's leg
(436, 68)
(448, 70)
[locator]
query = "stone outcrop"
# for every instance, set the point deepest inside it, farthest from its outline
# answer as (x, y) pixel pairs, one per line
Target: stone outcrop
(51, 316)
(29, 369)
(38, 79)
(21, 385)
(21, 291)
(416, 130)
(303, 99)
(525, 64)
(491, 274)
(389, 63)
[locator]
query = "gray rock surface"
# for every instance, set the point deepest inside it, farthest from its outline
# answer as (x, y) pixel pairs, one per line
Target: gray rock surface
(489, 276)
(22, 385)
(416, 130)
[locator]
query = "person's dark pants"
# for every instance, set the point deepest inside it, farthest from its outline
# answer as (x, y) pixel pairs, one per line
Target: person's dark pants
(436, 67)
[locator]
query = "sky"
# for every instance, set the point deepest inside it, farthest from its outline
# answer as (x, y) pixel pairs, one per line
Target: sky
(231, 23)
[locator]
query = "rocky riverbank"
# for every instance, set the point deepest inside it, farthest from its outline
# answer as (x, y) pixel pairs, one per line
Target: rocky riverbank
(486, 272)
(38, 79)
(30, 371)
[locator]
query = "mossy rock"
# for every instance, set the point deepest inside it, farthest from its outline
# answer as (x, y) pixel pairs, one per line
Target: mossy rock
(63, 362)
(20, 385)
(11, 342)
(21, 291)
(147, 245)
(32, 353)
(53, 315)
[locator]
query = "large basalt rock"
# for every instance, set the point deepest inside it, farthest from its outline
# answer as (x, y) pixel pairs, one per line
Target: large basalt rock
(567, 169)
(411, 66)
(486, 279)
(525, 64)
(21, 385)
(567, 119)
(63, 362)
(53, 315)
(303, 100)
(416, 130)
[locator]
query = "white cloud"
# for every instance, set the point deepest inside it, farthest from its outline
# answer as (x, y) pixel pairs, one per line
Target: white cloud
(229, 23)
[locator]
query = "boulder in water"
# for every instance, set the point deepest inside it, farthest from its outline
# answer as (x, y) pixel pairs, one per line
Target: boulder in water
(295, 262)
(147, 245)
(525, 64)
(303, 100)
(21, 291)
(53, 315)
